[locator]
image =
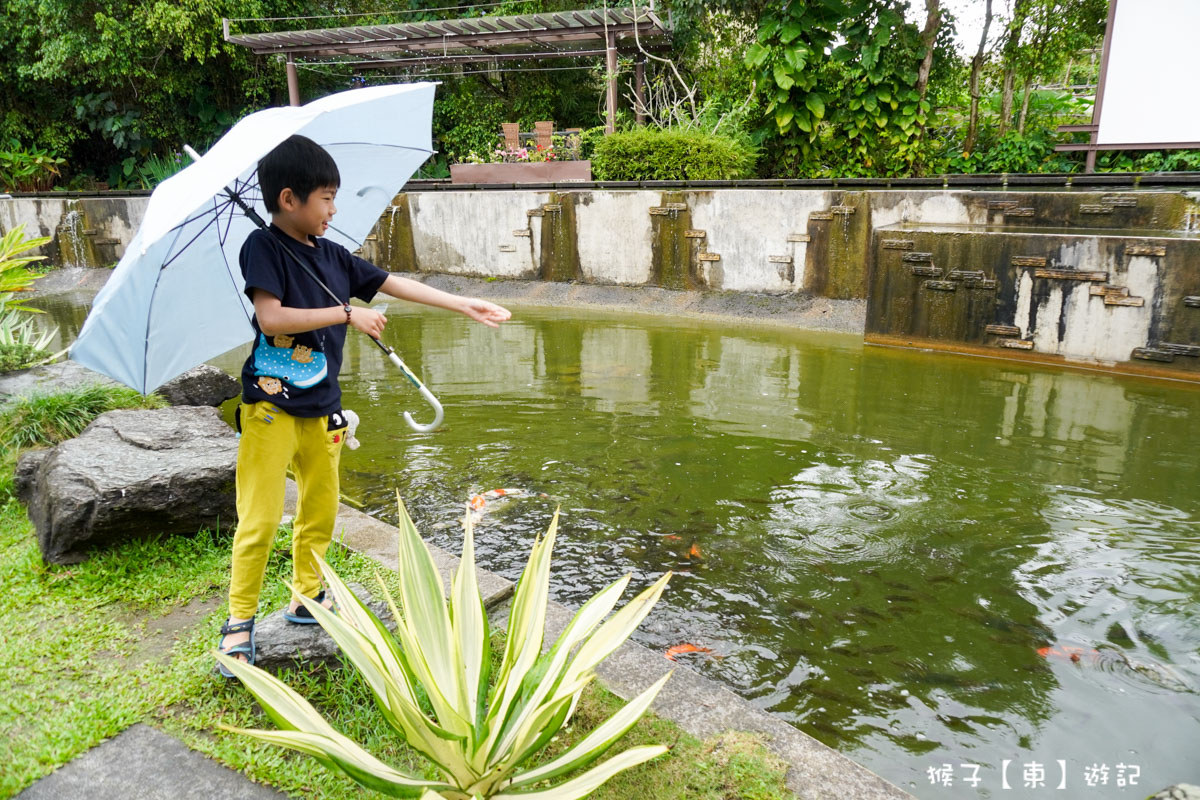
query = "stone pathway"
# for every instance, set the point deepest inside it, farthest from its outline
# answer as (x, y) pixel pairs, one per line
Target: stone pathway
(145, 763)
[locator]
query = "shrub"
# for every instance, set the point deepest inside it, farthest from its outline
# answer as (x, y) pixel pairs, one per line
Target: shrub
(649, 154)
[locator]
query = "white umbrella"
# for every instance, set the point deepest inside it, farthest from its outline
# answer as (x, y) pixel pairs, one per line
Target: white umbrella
(176, 297)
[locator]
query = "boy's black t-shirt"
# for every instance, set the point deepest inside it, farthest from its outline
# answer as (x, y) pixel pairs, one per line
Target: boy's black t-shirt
(299, 373)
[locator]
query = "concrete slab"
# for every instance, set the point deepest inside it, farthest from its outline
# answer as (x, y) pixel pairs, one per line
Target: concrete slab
(145, 763)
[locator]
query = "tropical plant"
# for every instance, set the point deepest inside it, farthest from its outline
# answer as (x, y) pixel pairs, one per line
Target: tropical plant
(21, 342)
(156, 169)
(431, 682)
(28, 170)
(14, 273)
(14, 277)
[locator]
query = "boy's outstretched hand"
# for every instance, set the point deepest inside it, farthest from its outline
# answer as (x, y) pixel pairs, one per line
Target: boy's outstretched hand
(368, 320)
(486, 312)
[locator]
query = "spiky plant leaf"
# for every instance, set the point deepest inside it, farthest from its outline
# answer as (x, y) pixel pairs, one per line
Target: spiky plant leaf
(476, 739)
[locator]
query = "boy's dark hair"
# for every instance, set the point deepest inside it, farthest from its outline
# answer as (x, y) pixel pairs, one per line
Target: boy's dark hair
(297, 163)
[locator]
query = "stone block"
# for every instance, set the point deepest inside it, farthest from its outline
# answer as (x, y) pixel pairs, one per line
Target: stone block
(204, 385)
(131, 474)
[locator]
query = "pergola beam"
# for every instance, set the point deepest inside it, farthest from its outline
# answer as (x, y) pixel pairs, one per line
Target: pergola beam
(565, 34)
(326, 43)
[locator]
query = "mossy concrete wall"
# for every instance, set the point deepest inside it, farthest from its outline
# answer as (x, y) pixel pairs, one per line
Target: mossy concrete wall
(1105, 280)
(85, 232)
(1108, 279)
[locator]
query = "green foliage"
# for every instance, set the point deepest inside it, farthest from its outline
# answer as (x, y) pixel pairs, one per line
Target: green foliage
(1149, 161)
(646, 154)
(28, 170)
(14, 273)
(849, 110)
(1014, 152)
(44, 420)
(157, 169)
(21, 343)
(432, 682)
(465, 121)
(101, 82)
(588, 140)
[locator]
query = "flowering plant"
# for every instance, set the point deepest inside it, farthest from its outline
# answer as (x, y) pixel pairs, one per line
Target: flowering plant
(530, 154)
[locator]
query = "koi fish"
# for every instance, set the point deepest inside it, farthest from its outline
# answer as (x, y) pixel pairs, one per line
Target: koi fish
(1068, 653)
(695, 551)
(479, 501)
(686, 647)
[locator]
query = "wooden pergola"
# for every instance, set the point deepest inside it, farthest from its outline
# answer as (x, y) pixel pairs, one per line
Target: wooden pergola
(474, 40)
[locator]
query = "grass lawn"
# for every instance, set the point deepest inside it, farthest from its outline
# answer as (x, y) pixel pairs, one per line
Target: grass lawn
(90, 649)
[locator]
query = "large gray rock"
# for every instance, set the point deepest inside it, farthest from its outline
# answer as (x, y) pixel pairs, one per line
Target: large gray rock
(279, 644)
(60, 377)
(204, 385)
(130, 474)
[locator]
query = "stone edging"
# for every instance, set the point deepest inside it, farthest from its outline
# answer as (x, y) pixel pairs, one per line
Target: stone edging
(698, 705)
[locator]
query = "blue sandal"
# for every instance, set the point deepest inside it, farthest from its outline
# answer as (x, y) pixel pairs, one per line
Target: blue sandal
(244, 649)
(302, 616)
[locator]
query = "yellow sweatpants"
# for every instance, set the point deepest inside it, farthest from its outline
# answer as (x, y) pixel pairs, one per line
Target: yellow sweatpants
(271, 441)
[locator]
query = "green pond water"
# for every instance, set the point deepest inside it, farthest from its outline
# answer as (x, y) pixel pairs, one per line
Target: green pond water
(922, 560)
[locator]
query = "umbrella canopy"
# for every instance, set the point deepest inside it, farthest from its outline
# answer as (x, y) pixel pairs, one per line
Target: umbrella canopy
(176, 297)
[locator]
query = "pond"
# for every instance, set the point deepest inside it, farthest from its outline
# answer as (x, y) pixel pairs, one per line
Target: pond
(927, 562)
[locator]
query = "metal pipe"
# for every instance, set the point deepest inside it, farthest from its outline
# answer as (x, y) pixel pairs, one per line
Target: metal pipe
(610, 115)
(293, 82)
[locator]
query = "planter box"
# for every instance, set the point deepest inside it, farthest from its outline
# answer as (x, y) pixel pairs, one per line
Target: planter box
(538, 172)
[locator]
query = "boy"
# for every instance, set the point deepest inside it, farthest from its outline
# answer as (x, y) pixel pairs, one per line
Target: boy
(291, 401)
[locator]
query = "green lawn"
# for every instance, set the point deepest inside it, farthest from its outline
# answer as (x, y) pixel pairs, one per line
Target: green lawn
(90, 649)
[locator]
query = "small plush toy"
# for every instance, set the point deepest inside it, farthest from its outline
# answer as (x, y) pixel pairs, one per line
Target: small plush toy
(351, 427)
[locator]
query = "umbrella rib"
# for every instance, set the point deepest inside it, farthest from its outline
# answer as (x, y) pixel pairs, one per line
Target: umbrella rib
(343, 233)
(199, 233)
(150, 310)
(232, 279)
(215, 210)
(425, 150)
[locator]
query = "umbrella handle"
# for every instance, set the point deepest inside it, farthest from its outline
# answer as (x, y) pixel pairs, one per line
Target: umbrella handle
(428, 395)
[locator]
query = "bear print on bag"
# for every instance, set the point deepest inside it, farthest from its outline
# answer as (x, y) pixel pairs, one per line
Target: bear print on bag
(302, 354)
(278, 362)
(270, 385)
(282, 340)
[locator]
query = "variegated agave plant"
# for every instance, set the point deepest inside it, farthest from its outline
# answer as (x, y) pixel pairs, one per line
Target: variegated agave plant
(477, 737)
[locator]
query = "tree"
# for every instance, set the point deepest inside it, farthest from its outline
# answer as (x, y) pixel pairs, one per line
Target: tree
(933, 19)
(1012, 46)
(108, 82)
(976, 70)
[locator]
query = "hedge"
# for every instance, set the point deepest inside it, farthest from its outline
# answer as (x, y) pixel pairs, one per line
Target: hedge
(650, 154)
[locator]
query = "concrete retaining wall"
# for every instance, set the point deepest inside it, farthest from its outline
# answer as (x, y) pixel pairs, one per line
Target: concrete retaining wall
(85, 231)
(1106, 279)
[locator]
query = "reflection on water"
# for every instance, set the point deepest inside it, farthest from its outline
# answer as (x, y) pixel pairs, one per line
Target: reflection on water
(920, 560)
(889, 549)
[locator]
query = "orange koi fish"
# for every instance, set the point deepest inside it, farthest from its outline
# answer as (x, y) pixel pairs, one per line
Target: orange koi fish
(686, 647)
(1068, 653)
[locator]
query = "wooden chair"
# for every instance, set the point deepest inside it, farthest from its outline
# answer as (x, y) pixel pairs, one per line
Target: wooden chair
(512, 135)
(545, 133)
